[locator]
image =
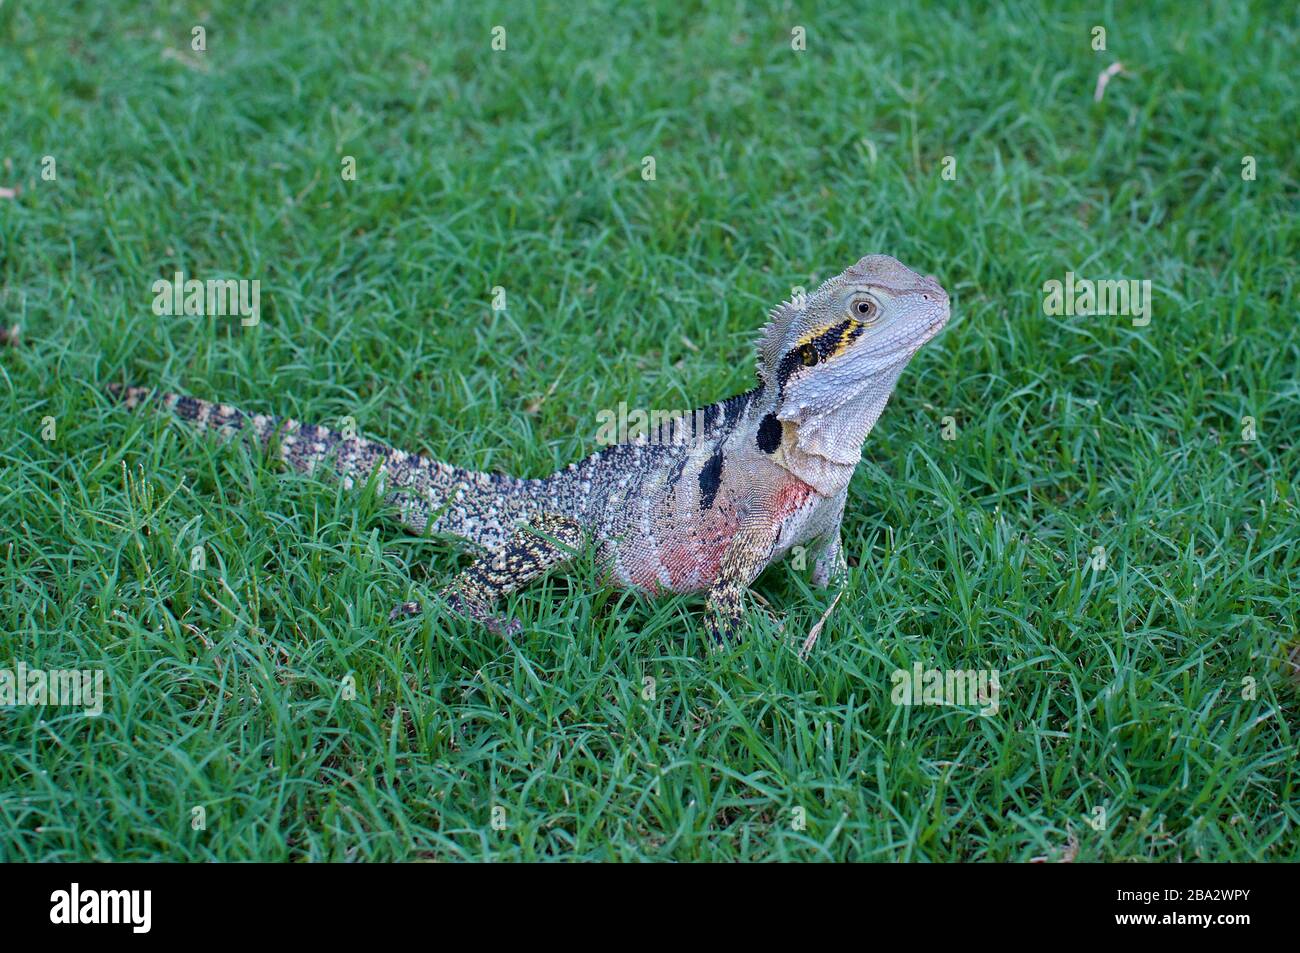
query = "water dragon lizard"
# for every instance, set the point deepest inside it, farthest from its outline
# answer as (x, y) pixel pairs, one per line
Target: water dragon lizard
(704, 507)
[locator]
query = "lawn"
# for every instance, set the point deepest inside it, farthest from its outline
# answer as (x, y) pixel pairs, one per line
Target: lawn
(1098, 521)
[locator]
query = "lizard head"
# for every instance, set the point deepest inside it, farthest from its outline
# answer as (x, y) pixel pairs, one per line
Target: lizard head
(828, 363)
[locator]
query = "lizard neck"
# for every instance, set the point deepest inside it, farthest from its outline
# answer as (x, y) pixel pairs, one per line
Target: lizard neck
(824, 448)
(827, 477)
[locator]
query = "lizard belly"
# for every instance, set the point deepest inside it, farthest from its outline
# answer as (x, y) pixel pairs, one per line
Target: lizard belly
(676, 559)
(683, 552)
(798, 524)
(797, 510)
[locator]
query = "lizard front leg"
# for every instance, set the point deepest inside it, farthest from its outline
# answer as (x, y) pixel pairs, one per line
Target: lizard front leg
(829, 564)
(533, 550)
(746, 556)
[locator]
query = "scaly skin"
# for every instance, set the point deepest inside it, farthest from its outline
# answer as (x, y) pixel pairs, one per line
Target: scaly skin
(706, 507)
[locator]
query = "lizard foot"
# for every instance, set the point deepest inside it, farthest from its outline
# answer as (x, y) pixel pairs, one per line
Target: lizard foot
(403, 609)
(496, 624)
(723, 631)
(503, 626)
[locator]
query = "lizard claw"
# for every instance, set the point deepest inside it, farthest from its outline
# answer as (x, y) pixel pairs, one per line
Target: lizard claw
(722, 632)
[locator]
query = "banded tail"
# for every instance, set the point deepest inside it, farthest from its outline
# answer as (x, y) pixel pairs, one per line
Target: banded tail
(480, 507)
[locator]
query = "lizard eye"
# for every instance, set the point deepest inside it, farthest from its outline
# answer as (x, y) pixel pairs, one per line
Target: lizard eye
(863, 309)
(808, 355)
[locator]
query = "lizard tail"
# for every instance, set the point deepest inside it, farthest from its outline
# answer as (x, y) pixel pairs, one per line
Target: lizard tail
(480, 507)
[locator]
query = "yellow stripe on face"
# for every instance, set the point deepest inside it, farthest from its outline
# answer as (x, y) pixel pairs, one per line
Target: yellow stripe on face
(848, 329)
(848, 334)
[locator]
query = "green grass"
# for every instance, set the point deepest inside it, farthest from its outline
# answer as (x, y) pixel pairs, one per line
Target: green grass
(1121, 688)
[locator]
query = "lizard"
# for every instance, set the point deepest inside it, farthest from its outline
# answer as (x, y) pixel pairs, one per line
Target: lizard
(705, 506)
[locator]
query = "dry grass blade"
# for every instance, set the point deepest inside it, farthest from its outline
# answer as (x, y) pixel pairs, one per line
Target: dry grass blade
(1103, 79)
(816, 630)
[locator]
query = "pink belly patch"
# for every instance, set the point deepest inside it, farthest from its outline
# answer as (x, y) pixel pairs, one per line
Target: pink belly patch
(691, 561)
(790, 499)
